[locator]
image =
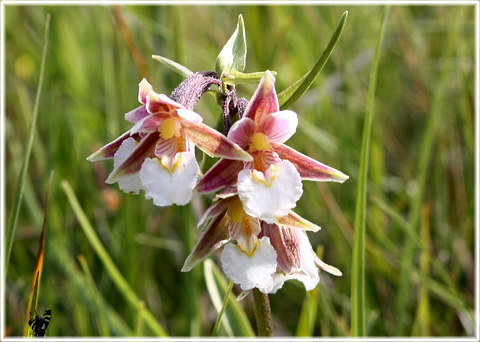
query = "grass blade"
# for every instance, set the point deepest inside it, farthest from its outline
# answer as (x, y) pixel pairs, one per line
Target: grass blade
(32, 303)
(12, 221)
(291, 95)
(308, 315)
(426, 153)
(358, 259)
(234, 314)
(422, 323)
(110, 267)
(101, 314)
(222, 311)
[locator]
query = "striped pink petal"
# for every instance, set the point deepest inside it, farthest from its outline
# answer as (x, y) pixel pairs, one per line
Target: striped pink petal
(214, 237)
(213, 142)
(279, 127)
(108, 151)
(241, 132)
(223, 174)
(134, 162)
(143, 89)
(309, 168)
(150, 123)
(160, 103)
(264, 101)
(137, 114)
(189, 115)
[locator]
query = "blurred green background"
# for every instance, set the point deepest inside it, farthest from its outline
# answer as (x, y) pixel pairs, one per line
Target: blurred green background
(91, 80)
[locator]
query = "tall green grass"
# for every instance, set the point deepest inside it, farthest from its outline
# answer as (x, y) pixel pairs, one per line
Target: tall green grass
(358, 319)
(419, 274)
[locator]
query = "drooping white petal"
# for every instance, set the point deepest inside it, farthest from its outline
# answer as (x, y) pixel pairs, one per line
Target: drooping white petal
(271, 194)
(309, 280)
(130, 183)
(170, 182)
(250, 272)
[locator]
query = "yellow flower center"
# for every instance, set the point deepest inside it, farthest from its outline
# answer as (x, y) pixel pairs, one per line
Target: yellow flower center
(169, 164)
(268, 178)
(259, 142)
(169, 128)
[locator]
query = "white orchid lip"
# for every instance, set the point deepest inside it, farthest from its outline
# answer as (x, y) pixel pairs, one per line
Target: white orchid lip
(170, 180)
(250, 271)
(270, 194)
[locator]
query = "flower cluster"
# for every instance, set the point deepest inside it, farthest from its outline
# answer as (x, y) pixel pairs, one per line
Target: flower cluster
(157, 154)
(265, 241)
(258, 179)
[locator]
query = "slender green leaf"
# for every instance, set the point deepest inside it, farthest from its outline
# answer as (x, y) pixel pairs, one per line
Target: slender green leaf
(222, 311)
(140, 319)
(32, 304)
(234, 315)
(358, 255)
(101, 318)
(308, 315)
(238, 77)
(12, 221)
(421, 326)
(109, 265)
(291, 95)
(178, 68)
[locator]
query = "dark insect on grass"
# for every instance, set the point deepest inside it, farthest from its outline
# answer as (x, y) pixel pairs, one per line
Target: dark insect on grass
(39, 324)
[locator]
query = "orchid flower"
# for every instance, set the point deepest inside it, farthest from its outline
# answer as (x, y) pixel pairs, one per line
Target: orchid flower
(157, 154)
(254, 256)
(270, 185)
(264, 241)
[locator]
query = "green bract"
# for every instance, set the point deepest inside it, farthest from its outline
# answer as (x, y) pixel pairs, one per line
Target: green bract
(234, 54)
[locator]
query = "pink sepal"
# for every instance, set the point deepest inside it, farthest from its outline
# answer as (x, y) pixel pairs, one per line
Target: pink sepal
(309, 168)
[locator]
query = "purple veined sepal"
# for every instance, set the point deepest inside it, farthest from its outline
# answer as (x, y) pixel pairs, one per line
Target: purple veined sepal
(309, 168)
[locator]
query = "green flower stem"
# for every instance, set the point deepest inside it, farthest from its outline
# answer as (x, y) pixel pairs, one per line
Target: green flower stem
(263, 313)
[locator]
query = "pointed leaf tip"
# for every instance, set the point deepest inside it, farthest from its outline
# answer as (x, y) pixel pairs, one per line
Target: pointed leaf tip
(293, 93)
(177, 67)
(234, 53)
